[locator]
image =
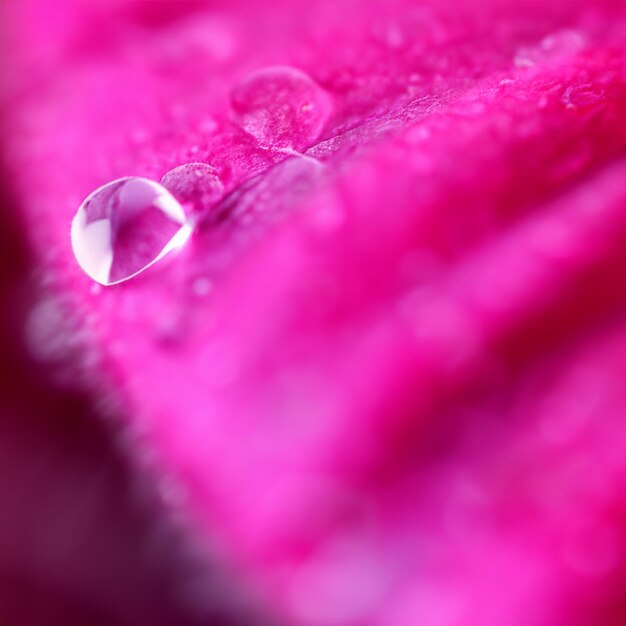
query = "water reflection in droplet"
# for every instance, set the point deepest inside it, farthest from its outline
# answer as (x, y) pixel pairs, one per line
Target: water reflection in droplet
(124, 227)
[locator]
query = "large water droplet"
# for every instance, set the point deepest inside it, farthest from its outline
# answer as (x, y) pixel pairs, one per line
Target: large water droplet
(196, 185)
(282, 108)
(124, 227)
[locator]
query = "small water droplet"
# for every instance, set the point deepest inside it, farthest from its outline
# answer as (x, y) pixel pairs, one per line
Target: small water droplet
(202, 287)
(469, 108)
(543, 102)
(524, 58)
(557, 45)
(581, 96)
(561, 42)
(168, 330)
(124, 227)
(391, 35)
(196, 185)
(281, 107)
(207, 126)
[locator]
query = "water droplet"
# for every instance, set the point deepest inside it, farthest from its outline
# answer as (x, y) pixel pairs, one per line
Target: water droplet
(196, 185)
(563, 42)
(202, 287)
(207, 126)
(281, 107)
(582, 96)
(124, 227)
(524, 58)
(560, 44)
(391, 35)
